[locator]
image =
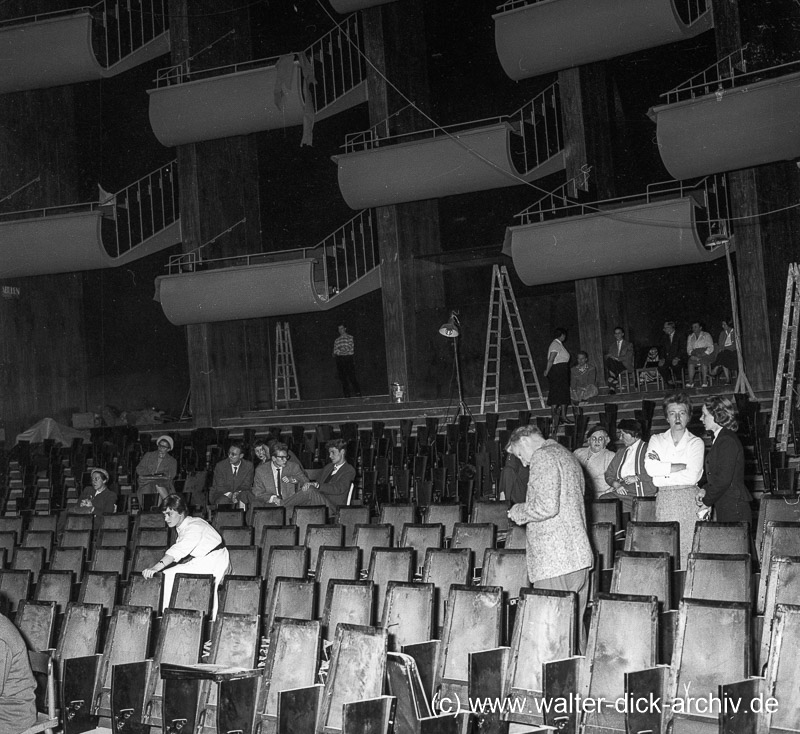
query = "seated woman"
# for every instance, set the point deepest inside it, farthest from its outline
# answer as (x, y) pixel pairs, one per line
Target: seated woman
(727, 358)
(198, 549)
(583, 382)
(649, 371)
(97, 499)
(626, 474)
(157, 470)
(595, 459)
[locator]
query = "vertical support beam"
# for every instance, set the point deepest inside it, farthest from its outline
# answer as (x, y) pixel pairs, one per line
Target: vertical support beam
(587, 141)
(224, 367)
(764, 244)
(411, 286)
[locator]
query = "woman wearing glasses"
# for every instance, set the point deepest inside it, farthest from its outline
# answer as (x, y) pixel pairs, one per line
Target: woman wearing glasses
(157, 470)
(198, 549)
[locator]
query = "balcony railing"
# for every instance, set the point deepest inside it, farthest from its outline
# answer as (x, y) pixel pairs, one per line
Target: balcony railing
(727, 73)
(335, 60)
(340, 259)
(712, 192)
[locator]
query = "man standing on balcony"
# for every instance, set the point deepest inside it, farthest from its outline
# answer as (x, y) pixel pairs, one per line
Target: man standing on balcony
(344, 353)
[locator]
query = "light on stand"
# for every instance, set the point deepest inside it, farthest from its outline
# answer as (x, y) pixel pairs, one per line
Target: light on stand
(452, 330)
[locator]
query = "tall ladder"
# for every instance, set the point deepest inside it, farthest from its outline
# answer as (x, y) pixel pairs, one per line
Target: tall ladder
(782, 403)
(286, 389)
(502, 301)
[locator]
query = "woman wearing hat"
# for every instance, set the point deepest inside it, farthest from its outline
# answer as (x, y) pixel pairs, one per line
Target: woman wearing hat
(157, 470)
(97, 499)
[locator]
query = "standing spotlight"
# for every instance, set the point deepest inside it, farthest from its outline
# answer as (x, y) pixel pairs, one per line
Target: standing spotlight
(452, 330)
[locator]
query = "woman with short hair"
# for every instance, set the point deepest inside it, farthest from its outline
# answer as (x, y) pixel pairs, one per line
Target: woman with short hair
(198, 549)
(557, 372)
(675, 461)
(157, 470)
(97, 499)
(725, 490)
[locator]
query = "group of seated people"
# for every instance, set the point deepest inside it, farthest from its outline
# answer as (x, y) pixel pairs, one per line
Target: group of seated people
(278, 478)
(698, 355)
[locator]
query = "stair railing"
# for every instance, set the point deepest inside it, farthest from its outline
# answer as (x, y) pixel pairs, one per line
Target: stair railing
(128, 25)
(540, 129)
(144, 208)
(338, 62)
(564, 196)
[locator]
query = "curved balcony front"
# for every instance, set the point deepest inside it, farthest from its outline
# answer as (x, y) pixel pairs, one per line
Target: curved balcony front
(472, 160)
(68, 243)
(237, 103)
(659, 234)
(56, 48)
(251, 291)
(538, 37)
(730, 129)
(350, 6)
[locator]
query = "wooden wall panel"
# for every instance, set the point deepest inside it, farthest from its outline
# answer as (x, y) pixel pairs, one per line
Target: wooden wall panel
(219, 188)
(42, 345)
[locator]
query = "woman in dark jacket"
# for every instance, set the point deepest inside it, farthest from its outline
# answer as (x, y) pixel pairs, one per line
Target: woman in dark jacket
(724, 465)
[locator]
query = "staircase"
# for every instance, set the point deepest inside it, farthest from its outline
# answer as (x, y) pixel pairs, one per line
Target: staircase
(143, 213)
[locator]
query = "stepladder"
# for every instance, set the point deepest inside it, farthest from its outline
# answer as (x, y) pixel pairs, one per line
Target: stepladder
(503, 306)
(783, 402)
(285, 387)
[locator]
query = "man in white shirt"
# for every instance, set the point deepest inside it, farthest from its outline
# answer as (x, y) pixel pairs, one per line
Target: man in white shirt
(700, 348)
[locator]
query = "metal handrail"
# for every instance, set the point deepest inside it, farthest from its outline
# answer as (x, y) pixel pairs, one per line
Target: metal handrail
(564, 193)
(25, 19)
(694, 9)
(144, 208)
(728, 73)
(51, 211)
(180, 73)
(342, 258)
(655, 191)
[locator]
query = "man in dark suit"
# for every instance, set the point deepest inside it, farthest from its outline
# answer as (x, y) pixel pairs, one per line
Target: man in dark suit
(278, 479)
(333, 485)
(672, 352)
(232, 476)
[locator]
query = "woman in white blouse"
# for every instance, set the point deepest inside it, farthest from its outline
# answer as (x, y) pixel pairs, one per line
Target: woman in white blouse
(557, 373)
(674, 460)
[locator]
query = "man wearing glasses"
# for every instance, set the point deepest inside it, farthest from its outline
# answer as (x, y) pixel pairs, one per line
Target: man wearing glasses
(232, 477)
(277, 479)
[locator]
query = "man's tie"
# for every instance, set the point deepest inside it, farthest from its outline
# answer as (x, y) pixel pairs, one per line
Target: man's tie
(235, 469)
(278, 484)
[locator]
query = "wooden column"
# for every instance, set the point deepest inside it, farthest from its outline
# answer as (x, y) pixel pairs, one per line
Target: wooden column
(587, 141)
(43, 366)
(411, 287)
(765, 244)
(218, 189)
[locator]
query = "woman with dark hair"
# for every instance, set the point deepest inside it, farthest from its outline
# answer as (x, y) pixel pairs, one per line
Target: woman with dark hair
(625, 474)
(674, 460)
(198, 549)
(725, 491)
(557, 372)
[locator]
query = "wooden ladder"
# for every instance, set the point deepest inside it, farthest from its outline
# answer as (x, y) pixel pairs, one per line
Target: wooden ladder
(502, 301)
(786, 371)
(286, 389)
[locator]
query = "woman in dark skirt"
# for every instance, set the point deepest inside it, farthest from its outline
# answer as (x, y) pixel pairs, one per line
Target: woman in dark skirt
(557, 372)
(724, 490)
